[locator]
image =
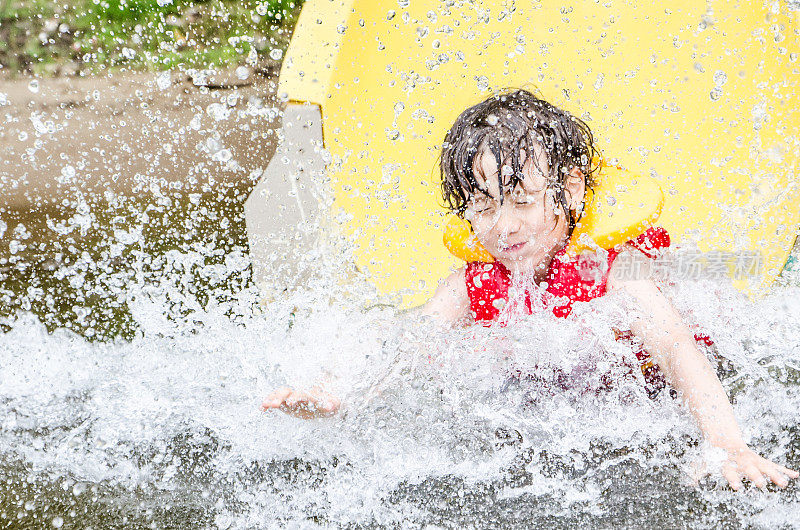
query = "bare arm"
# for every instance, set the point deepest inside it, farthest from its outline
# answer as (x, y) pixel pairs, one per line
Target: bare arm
(450, 302)
(672, 346)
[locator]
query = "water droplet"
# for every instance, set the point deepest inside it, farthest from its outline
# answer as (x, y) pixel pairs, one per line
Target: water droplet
(483, 82)
(720, 78)
(223, 155)
(58, 522)
(164, 80)
(341, 28)
(499, 303)
(275, 54)
(398, 107)
(393, 134)
(390, 14)
(612, 200)
(218, 111)
(22, 136)
(403, 3)
(716, 93)
(33, 86)
(242, 72)
(213, 145)
(492, 120)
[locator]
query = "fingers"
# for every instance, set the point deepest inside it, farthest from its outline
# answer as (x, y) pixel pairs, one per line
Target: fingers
(756, 470)
(301, 404)
(329, 405)
(732, 476)
(297, 399)
(776, 476)
(755, 476)
(791, 473)
(321, 403)
(276, 399)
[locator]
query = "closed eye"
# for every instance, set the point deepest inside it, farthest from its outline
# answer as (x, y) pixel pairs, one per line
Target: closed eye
(523, 200)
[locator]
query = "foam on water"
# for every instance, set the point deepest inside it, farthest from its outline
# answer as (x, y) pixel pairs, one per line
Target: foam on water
(438, 425)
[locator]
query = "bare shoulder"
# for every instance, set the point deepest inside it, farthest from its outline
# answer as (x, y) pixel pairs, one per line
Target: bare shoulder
(628, 267)
(450, 302)
(631, 272)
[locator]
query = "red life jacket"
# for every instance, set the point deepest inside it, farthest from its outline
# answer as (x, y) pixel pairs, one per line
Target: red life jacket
(569, 280)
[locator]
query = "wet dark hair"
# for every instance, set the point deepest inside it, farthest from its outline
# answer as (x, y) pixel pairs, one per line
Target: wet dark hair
(506, 124)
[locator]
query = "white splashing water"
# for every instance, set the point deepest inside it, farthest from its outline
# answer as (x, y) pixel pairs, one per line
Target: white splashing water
(435, 427)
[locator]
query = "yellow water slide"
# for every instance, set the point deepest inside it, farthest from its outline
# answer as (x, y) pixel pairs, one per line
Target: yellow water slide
(702, 96)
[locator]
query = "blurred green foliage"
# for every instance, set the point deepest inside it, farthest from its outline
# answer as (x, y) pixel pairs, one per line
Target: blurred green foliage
(45, 36)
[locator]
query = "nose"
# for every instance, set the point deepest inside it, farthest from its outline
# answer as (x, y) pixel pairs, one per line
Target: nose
(509, 219)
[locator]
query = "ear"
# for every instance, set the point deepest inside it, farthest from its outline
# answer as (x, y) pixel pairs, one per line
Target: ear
(575, 186)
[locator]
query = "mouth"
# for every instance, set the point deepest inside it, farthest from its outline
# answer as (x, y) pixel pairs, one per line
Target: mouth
(511, 249)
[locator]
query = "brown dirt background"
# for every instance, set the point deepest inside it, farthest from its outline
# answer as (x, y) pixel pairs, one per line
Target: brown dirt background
(69, 141)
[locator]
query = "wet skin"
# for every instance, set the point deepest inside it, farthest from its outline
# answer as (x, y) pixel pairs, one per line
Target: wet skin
(523, 232)
(526, 229)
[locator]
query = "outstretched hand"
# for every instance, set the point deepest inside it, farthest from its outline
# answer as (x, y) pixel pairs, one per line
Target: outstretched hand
(314, 403)
(745, 463)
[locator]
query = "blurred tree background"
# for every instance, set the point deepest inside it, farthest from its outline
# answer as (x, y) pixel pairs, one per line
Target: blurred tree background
(79, 37)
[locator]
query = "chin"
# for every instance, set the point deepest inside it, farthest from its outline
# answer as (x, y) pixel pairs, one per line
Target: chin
(523, 263)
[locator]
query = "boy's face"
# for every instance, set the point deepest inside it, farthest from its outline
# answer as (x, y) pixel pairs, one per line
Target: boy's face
(529, 227)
